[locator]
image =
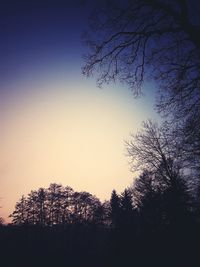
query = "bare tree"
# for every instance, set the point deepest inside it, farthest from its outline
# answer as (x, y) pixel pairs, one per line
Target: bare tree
(135, 38)
(157, 153)
(131, 41)
(156, 149)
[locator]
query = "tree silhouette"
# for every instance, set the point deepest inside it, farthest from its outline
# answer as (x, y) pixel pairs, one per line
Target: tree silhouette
(54, 203)
(1, 220)
(86, 207)
(126, 39)
(137, 40)
(144, 189)
(153, 147)
(41, 203)
(161, 193)
(67, 198)
(19, 216)
(106, 207)
(31, 208)
(148, 200)
(58, 205)
(127, 212)
(115, 209)
(162, 204)
(153, 218)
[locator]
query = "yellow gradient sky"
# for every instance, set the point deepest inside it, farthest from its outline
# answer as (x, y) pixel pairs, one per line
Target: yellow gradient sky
(68, 132)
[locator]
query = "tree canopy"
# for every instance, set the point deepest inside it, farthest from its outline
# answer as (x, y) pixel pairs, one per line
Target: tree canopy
(133, 41)
(57, 205)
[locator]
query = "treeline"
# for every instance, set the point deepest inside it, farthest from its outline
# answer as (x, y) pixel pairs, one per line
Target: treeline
(155, 222)
(58, 205)
(153, 202)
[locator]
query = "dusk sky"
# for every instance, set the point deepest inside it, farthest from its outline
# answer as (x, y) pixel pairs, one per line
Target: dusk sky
(56, 125)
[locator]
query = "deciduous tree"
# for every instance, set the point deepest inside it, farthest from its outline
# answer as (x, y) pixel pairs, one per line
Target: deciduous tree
(132, 41)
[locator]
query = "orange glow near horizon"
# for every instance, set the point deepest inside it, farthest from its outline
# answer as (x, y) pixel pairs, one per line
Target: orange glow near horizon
(66, 133)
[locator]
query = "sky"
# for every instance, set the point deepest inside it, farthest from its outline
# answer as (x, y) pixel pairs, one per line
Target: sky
(57, 126)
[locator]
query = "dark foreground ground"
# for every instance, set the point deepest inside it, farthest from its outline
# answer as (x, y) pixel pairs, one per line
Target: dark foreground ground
(81, 246)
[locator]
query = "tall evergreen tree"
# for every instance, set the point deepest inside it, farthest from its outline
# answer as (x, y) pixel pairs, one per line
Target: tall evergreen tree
(115, 209)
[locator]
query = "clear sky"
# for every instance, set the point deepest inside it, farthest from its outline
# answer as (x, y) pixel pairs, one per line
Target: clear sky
(55, 124)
